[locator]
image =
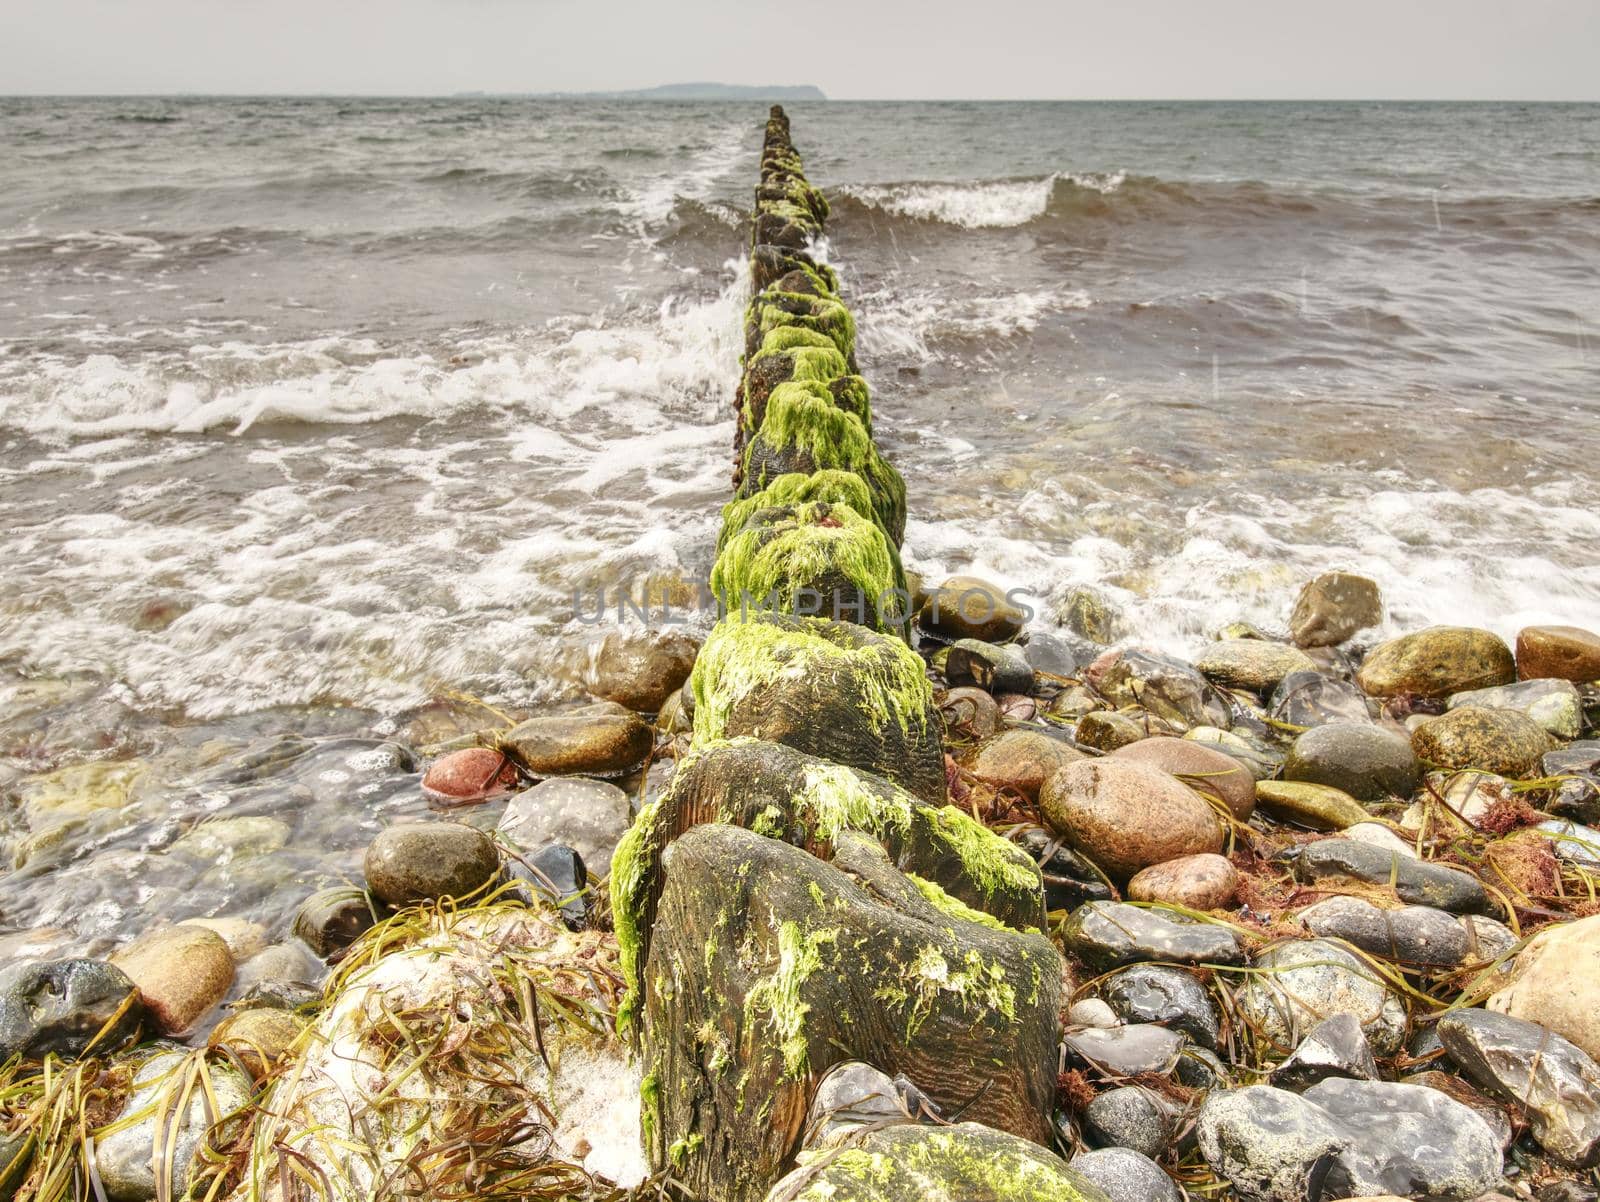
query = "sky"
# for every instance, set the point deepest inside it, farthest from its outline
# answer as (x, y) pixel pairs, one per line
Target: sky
(871, 49)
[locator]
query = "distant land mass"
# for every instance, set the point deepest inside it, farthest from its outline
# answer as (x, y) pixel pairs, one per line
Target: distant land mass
(692, 91)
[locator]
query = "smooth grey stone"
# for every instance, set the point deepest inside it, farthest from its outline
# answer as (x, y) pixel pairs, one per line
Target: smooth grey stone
(330, 920)
(58, 1006)
(123, 1157)
(1124, 1175)
(1415, 881)
(1155, 993)
(1580, 757)
(1269, 1144)
(1315, 699)
(589, 815)
(1366, 761)
(1574, 842)
(421, 861)
(1130, 1117)
(1108, 934)
(1553, 704)
(1053, 654)
(1305, 981)
(999, 669)
(1092, 1012)
(1128, 1050)
(1522, 1063)
(1408, 1141)
(850, 1094)
(1335, 1047)
(1411, 935)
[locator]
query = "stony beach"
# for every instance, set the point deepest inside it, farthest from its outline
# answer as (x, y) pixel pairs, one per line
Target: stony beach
(883, 889)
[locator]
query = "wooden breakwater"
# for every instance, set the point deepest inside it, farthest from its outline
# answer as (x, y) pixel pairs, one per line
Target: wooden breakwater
(802, 895)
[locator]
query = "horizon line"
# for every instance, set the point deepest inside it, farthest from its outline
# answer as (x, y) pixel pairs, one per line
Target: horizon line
(613, 97)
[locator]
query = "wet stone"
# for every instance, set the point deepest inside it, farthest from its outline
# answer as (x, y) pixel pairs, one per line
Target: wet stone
(1501, 741)
(1107, 730)
(330, 920)
(639, 670)
(421, 861)
(1411, 935)
(1381, 837)
(1553, 705)
(601, 740)
(589, 815)
(1200, 882)
(1052, 654)
(987, 666)
(1437, 662)
(970, 712)
(1091, 1012)
(1126, 816)
(1203, 768)
(555, 875)
(1568, 652)
(1406, 1140)
(1069, 879)
(1365, 761)
(1251, 664)
(1454, 1087)
(1155, 993)
(1108, 934)
(1159, 684)
(1302, 982)
(1316, 699)
(1329, 861)
(1022, 760)
(1269, 1144)
(1573, 841)
(123, 1158)
(1257, 757)
(1316, 807)
(181, 972)
(849, 1095)
(470, 775)
(1524, 1064)
(1125, 1175)
(965, 607)
(1335, 1047)
(1126, 1051)
(258, 1036)
(57, 1007)
(1334, 607)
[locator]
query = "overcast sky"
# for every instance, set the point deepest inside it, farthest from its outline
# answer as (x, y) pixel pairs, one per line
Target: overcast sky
(1469, 49)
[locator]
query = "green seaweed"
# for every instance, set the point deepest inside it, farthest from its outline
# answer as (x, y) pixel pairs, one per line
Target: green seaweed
(797, 488)
(953, 906)
(777, 995)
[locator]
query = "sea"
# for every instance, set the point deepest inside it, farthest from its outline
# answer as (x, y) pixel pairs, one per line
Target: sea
(314, 411)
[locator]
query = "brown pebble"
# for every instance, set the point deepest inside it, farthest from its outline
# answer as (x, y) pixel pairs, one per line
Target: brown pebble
(181, 972)
(473, 774)
(1199, 882)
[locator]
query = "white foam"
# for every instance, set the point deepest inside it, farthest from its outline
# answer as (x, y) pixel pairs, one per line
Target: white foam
(978, 204)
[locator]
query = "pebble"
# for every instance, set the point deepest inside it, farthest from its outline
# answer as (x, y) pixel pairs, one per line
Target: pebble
(331, 919)
(1567, 652)
(243, 937)
(1333, 608)
(1251, 664)
(1129, 1117)
(1311, 979)
(469, 775)
(1437, 662)
(1127, 816)
(965, 607)
(971, 711)
(999, 669)
(1269, 1144)
(1258, 758)
(1523, 1064)
(1406, 1140)
(1553, 704)
(1157, 993)
(1412, 935)
(1329, 861)
(181, 972)
(589, 815)
(1381, 837)
(1556, 983)
(1128, 1050)
(1159, 684)
(1107, 730)
(122, 1158)
(1316, 699)
(1200, 882)
(602, 740)
(1365, 761)
(1335, 1047)
(1022, 760)
(1108, 934)
(1124, 1175)
(1091, 1012)
(57, 1007)
(1501, 741)
(555, 875)
(1316, 807)
(1573, 841)
(1204, 769)
(639, 670)
(422, 861)
(258, 1037)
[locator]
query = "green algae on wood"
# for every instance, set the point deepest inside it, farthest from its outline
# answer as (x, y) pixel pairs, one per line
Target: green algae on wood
(966, 1010)
(797, 488)
(804, 433)
(818, 558)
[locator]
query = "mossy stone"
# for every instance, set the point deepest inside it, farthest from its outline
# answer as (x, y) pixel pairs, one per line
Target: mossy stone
(1436, 662)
